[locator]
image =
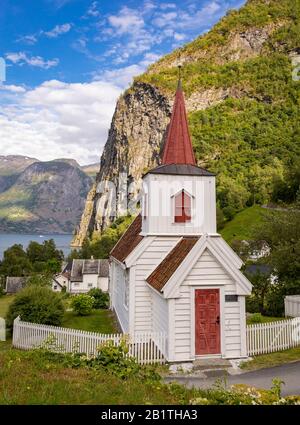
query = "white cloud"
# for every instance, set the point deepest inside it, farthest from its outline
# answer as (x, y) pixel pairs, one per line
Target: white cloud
(93, 10)
(28, 39)
(21, 58)
(58, 30)
(124, 76)
(12, 88)
(164, 6)
(58, 119)
(126, 21)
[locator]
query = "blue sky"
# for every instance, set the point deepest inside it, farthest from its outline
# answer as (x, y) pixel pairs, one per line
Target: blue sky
(69, 60)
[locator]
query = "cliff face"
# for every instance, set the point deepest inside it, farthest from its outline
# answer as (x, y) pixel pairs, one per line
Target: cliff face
(244, 58)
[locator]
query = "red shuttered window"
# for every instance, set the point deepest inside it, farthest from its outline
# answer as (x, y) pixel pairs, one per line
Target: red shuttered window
(182, 207)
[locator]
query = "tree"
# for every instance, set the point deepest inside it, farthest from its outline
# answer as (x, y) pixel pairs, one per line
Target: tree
(36, 304)
(15, 262)
(281, 231)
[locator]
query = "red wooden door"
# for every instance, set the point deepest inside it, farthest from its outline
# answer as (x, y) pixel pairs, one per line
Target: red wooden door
(207, 321)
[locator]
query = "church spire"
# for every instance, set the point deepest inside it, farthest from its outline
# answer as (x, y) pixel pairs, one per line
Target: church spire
(178, 147)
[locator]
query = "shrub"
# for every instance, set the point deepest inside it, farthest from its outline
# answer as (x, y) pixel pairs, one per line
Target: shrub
(114, 359)
(36, 304)
(100, 298)
(255, 318)
(82, 304)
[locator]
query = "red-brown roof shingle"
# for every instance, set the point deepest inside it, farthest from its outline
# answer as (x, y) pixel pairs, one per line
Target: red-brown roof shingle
(128, 241)
(163, 272)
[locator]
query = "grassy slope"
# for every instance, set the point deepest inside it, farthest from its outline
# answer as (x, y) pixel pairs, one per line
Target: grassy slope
(241, 227)
(27, 378)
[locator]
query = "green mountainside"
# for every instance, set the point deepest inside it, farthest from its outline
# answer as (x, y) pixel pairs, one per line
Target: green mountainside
(251, 138)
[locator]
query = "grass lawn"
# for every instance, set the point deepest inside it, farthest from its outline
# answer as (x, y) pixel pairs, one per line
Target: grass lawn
(5, 301)
(241, 227)
(101, 321)
(266, 319)
(272, 359)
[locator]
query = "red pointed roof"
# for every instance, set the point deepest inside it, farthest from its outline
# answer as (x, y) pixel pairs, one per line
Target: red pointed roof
(178, 147)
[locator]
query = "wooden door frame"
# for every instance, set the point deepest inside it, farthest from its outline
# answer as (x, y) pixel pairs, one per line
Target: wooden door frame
(222, 321)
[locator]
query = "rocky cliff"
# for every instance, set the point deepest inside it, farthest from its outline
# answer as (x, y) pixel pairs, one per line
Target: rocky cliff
(242, 109)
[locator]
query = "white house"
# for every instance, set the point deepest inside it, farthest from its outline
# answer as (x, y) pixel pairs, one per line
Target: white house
(62, 279)
(171, 271)
(88, 274)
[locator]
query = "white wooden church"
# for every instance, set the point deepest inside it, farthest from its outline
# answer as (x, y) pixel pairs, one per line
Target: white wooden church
(171, 271)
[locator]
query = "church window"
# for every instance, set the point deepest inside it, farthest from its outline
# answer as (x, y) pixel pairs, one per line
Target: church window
(182, 207)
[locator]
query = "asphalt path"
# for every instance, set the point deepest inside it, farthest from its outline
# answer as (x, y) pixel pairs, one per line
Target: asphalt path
(289, 373)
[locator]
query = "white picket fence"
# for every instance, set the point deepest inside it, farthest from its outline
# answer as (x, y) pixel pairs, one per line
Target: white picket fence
(264, 338)
(146, 347)
(292, 305)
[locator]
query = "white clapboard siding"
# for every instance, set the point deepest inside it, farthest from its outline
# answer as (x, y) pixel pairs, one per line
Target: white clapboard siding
(292, 306)
(119, 297)
(146, 347)
(146, 263)
(263, 338)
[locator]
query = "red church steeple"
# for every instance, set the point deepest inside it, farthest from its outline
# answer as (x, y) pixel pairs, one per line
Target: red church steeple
(178, 147)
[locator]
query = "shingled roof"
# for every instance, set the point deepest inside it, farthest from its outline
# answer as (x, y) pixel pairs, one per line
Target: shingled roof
(91, 266)
(14, 284)
(128, 241)
(163, 272)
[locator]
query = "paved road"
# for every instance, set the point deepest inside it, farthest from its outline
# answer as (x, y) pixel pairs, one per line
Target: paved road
(289, 373)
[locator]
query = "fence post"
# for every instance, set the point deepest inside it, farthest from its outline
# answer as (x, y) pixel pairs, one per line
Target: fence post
(16, 331)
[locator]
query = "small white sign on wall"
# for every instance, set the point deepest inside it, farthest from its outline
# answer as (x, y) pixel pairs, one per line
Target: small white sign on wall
(2, 329)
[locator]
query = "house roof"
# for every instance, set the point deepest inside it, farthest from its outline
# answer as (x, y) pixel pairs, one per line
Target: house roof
(14, 284)
(128, 241)
(160, 276)
(178, 147)
(180, 169)
(81, 267)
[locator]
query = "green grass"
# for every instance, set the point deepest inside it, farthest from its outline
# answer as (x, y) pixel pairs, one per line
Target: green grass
(5, 301)
(272, 359)
(31, 378)
(266, 319)
(101, 321)
(242, 225)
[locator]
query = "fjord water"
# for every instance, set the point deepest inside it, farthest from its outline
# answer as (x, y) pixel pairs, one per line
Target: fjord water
(8, 239)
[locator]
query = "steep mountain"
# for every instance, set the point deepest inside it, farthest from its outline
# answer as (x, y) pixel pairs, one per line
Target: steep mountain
(243, 105)
(42, 197)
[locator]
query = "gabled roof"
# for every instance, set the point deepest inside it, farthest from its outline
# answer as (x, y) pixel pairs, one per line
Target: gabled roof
(160, 276)
(178, 147)
(128, 241)
(180, 170)
(171, 272)
(81, 267)
(14, 284)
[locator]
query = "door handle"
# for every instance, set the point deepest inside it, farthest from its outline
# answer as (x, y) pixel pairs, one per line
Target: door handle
(218, 320)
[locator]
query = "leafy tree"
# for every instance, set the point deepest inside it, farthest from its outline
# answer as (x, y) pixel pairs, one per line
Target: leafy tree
(15, 262)
(36, 304)
(39, 280)
(281, 231)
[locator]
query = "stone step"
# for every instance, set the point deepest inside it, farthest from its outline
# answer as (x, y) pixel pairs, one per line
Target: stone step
(213, 363)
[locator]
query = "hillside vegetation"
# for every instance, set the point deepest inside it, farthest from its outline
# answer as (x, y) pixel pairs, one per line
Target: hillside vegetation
(250, 137)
